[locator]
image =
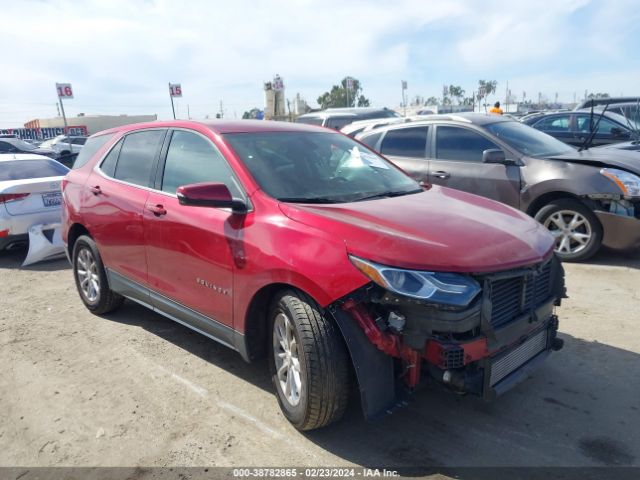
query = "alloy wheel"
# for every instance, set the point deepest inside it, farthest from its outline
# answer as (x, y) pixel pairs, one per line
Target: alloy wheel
(571, 230)
(88, 278)
(287, 361)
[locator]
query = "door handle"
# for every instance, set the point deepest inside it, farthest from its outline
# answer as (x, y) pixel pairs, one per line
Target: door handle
(441, 174)
(157, 210)
(95, 190)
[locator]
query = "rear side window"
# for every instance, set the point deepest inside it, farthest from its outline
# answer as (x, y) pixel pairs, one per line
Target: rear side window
(90, 148)
(405, 142)
(109, 163)
(24, 169)
(554, 124)
(138, 156)
(454, 143)
(193, 159)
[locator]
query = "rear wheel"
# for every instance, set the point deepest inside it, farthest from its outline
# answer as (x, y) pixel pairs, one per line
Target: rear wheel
(309, 362)
(576, 229)
(91, 278)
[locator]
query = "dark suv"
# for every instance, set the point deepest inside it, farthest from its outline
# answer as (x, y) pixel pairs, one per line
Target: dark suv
(585, 198)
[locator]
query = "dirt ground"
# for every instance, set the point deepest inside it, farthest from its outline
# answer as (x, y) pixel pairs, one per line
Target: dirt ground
(137, 389)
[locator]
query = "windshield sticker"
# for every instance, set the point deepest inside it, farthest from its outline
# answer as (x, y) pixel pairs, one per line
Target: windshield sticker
(359, 158)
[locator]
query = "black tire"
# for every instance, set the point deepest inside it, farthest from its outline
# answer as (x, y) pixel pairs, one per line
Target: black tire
(106, 299)
(323, 361)
(565, 208)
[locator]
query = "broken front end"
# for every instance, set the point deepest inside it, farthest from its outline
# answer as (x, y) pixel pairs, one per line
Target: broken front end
(478, 334)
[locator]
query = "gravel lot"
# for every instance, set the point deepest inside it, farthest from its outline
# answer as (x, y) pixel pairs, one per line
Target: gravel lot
(137, 389)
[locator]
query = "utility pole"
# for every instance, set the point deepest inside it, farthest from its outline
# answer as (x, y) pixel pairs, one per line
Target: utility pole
(221, 110)
(506, 98)
(188, 112)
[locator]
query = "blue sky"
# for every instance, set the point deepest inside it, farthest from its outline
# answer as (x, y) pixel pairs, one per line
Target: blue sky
(119, 55)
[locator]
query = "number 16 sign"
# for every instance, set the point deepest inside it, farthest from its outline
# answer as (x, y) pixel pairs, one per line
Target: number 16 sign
(64, 90)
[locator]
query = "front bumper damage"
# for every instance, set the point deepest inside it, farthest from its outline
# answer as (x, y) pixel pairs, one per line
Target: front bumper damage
(478, 350)
(620, 220)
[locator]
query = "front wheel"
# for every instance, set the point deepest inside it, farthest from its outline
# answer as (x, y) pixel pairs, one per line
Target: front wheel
(309, 362)
(576, 229)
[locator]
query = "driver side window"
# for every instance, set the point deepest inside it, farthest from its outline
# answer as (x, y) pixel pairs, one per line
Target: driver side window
(191, 158)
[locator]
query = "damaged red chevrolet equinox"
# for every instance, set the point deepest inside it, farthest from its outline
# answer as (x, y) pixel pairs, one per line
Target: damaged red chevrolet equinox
(301, 246)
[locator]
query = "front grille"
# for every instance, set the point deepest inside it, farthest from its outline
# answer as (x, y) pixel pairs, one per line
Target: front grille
(518, 357)
(511, 297)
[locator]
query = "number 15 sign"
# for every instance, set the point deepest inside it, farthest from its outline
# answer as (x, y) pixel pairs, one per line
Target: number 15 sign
(175, 90)
(64, 90)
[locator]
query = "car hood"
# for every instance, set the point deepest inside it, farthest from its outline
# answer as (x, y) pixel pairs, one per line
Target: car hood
(440, 229)
(604, 157)
(633, 146)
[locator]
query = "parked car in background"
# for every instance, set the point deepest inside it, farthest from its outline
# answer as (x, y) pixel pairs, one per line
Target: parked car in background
(574, 127)
(298, 245)
(605, 101)
(630, 110)
(352, 129)
(586, 199)
(337, 118)
(65, 145)
(15, 145)
(29, 195)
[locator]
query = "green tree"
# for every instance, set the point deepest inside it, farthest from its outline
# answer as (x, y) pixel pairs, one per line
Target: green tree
(486, 88)
(457, 92)
(432, 101)
(253, 113)
(337, 96)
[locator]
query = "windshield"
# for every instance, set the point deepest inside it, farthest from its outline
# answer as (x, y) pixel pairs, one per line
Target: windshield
(527, 140)
(318, 167)
(21, 144)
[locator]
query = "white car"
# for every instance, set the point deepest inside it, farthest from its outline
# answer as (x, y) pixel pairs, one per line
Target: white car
(65, 145)
(30, 194)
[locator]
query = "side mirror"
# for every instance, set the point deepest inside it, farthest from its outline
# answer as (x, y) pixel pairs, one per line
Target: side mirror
(215, 195)
(494, 155)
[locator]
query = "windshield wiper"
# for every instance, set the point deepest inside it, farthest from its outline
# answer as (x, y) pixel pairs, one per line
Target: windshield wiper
(389, 194)
(308, 200)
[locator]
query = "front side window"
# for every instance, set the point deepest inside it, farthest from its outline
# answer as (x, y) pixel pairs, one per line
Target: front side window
(584, 124)
(405, 142)
(528, 140)
(6, 147)
(462, 144)
(137, 157)
(318, 167)
(193, 159)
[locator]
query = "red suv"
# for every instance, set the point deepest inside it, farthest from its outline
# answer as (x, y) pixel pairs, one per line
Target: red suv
(299, 244)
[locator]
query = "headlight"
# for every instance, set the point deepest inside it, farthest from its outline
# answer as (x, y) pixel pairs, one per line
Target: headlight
(445, 288)
(627, 182)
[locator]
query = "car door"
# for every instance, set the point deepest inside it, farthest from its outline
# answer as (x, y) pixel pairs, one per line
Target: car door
(607, 132)
(558, 126)
(457, 163)
(189, 249)
(116, 194)
(407, 148)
